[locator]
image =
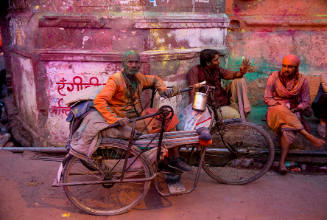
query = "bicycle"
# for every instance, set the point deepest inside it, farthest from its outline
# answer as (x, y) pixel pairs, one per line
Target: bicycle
(118, 175)
(244, 150)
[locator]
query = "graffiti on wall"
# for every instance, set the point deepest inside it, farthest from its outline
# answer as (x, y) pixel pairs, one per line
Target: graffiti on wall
(64, 87)
(60, 109)
(67, 79)
(77, 84)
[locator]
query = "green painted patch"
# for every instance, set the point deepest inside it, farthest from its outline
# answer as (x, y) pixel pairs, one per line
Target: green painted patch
(304, 66)
(257, 114)
(262, 69)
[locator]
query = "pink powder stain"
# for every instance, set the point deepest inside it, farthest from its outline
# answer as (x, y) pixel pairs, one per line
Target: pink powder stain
(291, 32)
(236, 9)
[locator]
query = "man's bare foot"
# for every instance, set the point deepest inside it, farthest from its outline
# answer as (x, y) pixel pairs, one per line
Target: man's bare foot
(282, 170)
(317, 142)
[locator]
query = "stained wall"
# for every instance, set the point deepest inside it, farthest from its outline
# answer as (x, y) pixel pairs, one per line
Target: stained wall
(59, 47)
(266, 30)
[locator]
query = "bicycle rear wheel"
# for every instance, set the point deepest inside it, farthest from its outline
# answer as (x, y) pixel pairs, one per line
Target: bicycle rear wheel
(107, 198)
(241, 153)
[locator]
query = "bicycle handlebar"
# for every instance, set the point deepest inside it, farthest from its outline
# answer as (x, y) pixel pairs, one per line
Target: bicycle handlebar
(194, 86)
(160, 111)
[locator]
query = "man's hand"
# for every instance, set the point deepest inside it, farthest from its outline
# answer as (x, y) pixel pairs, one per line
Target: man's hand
(168, 93)
(122, 122)
(245, 66)
(300, 108)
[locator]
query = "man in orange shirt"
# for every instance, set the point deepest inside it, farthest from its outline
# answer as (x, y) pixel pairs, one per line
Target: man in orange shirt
(118, 101)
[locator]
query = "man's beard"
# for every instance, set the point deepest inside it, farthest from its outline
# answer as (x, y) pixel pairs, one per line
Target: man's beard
(289, 74)
(132, 71)
(131, 79)
(213, 67)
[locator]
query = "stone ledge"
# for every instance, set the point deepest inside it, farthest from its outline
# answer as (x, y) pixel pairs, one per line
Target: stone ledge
(302, 150)
(180, 21)
(283, 21)
(112, 56)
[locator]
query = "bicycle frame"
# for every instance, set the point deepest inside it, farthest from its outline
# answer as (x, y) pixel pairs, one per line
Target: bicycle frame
(169, 139)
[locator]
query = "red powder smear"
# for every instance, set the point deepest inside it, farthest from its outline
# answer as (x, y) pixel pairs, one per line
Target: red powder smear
(236, 9)
(291, 32)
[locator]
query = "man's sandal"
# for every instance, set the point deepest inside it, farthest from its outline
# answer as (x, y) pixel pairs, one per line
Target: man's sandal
(283, 171)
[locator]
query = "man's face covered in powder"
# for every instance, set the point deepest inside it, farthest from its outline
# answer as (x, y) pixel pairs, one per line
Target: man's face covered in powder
(290, 65)
(132, 64)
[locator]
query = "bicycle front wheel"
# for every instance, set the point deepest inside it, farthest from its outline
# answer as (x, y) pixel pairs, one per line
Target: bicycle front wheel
(241, 153)
(107, 198)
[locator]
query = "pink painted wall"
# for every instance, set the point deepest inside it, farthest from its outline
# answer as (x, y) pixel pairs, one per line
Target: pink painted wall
(63, 46)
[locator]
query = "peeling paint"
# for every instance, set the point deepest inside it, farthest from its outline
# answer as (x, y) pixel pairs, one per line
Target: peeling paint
(85, 38)
(200, 37)
(27, 103)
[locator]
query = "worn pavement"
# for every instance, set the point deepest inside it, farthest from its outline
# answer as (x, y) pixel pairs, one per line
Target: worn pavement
(26, 193)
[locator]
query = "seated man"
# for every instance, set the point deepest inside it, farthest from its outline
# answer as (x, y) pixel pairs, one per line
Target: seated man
(319, 105)
(210, 71)
(287, 95)
(118, 101)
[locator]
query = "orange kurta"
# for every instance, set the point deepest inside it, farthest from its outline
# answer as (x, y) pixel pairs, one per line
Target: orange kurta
(115, 101)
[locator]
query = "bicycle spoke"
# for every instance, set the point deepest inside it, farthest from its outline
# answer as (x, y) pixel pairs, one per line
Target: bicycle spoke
(106, 198)
(242, 153)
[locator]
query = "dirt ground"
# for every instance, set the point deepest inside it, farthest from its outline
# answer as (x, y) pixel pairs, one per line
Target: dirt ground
(26, 193)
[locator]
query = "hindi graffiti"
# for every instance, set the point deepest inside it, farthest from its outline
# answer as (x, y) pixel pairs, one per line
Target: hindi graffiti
(64, 86)
(59, 109)
(76, 85)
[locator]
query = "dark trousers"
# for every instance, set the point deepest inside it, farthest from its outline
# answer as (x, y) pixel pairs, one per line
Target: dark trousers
(320, 107)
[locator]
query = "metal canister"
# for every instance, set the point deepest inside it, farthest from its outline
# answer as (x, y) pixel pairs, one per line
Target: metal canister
(200, 101)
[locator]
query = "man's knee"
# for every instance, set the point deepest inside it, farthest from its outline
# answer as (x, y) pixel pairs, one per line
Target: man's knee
(288, 137)
(239, 84)
(228, 112)
(239, 81)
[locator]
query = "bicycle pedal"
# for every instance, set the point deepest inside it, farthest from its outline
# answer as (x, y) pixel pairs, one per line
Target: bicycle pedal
(176, 188)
